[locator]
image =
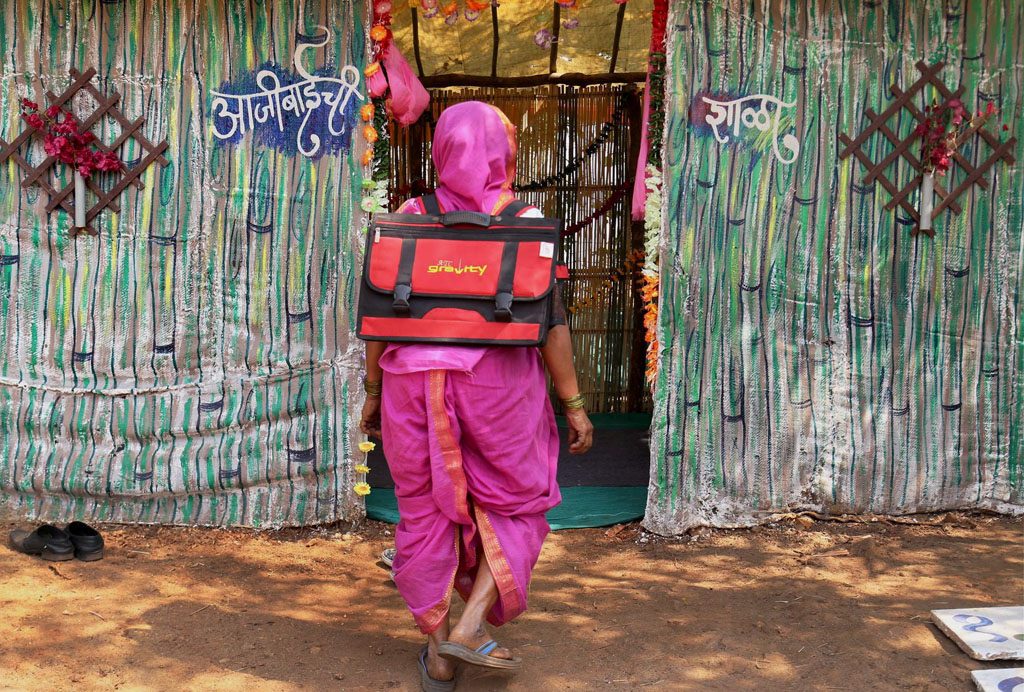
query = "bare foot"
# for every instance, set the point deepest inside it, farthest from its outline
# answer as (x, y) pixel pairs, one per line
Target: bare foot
(475, 638)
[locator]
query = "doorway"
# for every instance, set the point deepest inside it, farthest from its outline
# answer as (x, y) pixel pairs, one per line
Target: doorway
(578, 148)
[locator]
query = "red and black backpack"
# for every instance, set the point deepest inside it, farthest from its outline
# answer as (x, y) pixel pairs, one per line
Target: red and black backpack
(459, 277)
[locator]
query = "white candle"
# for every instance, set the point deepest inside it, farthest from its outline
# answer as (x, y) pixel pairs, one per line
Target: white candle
(79, 200)
(927, 201)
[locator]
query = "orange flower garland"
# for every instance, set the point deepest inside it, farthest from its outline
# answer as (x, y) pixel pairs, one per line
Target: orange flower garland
(633, 263)
(650, 292)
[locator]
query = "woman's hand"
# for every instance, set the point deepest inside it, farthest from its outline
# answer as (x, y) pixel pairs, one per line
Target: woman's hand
(369, 422)
(581, 430)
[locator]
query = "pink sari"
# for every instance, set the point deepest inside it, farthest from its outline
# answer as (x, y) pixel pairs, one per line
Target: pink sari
(469, 432)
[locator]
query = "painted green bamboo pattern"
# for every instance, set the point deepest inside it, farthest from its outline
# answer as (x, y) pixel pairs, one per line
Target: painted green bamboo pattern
(195, 363)
(816, 355)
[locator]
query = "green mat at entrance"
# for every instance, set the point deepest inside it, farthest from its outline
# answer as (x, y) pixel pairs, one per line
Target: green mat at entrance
(581, 508)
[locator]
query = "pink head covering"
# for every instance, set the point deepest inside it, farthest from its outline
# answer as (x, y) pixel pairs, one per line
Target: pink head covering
(474, 153)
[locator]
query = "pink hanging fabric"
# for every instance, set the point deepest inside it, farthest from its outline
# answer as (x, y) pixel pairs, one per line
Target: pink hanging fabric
(408, 97)
(640, 184)
(659, 22)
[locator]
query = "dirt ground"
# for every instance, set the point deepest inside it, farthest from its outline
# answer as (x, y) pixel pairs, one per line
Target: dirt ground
(798, 605)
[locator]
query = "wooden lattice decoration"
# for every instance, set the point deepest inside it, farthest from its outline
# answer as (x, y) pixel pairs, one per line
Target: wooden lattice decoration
(130, 175)
(904, 147)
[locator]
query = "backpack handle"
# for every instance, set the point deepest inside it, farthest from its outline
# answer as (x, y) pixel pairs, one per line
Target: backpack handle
(465, 218)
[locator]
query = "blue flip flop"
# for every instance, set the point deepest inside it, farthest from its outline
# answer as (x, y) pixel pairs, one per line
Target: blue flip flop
(479, 656)
(429, 684)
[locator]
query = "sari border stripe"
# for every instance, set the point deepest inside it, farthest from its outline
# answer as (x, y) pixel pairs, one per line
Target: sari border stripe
(508, 592)
(450, 451)
(429, 621)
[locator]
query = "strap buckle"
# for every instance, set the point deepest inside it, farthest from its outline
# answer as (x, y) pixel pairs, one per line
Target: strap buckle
(503, 307)
(402, 294)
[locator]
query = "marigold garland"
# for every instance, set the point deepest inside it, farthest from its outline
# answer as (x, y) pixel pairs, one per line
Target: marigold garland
(604, 134)
(617, 194)
(634, 262)
(650, 290)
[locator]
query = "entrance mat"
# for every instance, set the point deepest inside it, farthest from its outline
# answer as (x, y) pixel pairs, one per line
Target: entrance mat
(614, 421)
(581, 508)
(620, 456)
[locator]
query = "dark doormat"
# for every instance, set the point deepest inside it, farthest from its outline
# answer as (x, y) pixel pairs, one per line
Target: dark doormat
(620, 456)
(605, 486)
(581, 508)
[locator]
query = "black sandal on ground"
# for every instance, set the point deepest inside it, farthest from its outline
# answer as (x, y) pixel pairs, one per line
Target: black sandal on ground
(48, 542)
(87, 541)
(429, 684)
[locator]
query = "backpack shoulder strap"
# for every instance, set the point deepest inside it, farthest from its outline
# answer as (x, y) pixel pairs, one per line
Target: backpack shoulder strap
(515, 207)
(430, 205)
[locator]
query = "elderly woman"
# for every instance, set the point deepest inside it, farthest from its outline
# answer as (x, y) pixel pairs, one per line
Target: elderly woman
(470, 436)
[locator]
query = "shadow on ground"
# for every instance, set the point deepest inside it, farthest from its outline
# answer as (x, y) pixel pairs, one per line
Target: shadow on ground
(787, 607)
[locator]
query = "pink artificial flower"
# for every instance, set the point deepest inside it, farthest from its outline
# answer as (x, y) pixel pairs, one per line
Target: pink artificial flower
(382, 7)
(108, 161)
(68, 126)
(53, 146)
(35, 121)
(52, 111)
(29, 105)
(85, 157)
(990, 108)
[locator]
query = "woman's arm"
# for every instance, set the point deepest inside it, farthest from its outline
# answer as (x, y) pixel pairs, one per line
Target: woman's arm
(369, 422)
(557, 354)
(374, 350)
